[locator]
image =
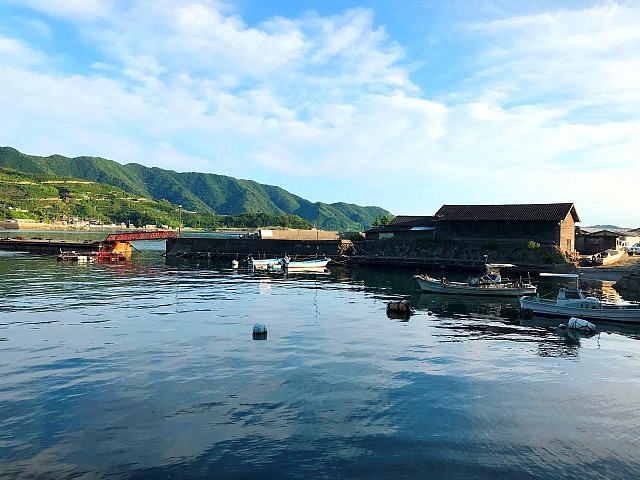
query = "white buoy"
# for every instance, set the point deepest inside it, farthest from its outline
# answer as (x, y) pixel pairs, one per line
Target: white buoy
(235, 264)
(581, 324)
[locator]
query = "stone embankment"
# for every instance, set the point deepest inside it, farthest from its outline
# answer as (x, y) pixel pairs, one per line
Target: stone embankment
(629, 280)
(460, 255)
(382, 253)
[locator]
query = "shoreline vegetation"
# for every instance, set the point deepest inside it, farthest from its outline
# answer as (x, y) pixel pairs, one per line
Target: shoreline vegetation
(43, 188)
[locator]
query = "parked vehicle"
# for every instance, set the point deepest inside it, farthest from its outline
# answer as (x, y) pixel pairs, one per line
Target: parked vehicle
(634, 250)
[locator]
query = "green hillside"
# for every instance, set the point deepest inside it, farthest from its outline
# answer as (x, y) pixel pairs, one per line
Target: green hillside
(48, 197)
(205, 193)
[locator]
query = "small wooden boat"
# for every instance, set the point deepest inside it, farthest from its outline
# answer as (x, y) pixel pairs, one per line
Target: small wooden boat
(573, 302)
(489, 283)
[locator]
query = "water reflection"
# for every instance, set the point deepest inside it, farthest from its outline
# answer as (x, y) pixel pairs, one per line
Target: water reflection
(468, 306)
(151, 372)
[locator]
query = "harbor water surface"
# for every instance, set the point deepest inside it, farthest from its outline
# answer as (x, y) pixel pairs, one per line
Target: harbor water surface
(149, 370)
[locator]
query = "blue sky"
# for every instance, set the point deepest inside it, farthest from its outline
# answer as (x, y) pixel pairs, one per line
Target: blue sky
(405, 105)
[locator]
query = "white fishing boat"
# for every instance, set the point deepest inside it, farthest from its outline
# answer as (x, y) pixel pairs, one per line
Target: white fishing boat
(262, 264)
(277, 264)
(572, 301)
(313, 264)
(489, 283)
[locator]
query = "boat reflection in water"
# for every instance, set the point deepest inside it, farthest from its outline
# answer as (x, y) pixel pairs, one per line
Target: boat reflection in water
(462, 318)
(460, 306)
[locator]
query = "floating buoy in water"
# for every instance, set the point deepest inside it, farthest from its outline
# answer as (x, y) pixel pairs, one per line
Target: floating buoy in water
(402, 306)
(235, 264)
(259, 331)
(581, 324)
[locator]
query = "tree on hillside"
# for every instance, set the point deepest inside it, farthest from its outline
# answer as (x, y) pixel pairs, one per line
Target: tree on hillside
(385, 220)
(376, 221)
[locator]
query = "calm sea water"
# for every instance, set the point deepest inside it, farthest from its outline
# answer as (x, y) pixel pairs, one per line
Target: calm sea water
(150, 371)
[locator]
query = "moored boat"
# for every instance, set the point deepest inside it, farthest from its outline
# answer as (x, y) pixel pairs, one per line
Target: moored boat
(489, 283)
(261, 264)
(287, 264)
(73, 256)
(572, 301)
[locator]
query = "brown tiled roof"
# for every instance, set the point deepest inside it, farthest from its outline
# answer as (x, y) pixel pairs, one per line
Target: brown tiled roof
(402, 223)
(410, 221)
(523, 212)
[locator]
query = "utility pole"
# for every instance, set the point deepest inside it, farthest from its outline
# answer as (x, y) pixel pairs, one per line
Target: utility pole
(179, 219)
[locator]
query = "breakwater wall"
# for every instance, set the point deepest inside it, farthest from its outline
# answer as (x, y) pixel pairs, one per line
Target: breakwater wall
(379, 253)
(47, 246)
(241, 248)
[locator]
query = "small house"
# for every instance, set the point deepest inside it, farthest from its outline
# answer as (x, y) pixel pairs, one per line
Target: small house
(590, 241)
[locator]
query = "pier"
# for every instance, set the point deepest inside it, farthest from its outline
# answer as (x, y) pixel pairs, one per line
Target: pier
(118, 243)
(48, 246)
(241, 248)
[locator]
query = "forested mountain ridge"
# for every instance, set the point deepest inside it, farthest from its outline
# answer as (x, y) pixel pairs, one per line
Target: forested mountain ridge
(204, 192)
(54, 199)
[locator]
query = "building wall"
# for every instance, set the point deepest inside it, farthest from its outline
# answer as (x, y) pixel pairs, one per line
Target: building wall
(592, 244)
(544, 232)
(567, 234)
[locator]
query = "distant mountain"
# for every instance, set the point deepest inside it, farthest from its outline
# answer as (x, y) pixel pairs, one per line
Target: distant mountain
(607, 227)
(203, 192)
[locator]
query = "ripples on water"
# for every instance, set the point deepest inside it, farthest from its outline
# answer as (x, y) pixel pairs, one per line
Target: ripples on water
(150, 371)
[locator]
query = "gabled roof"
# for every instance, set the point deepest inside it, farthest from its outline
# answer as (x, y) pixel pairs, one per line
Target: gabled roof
(411, 221)
(402, 223)
(603, 233)
(523, 212)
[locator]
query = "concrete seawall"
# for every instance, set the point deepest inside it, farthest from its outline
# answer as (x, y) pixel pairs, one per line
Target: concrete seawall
(227, 248)
(36, 245)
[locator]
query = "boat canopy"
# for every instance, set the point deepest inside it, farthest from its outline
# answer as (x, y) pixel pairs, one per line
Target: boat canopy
(560, 275)
(500, 265)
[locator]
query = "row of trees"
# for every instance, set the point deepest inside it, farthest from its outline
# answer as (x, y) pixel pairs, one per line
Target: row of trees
(378, 222)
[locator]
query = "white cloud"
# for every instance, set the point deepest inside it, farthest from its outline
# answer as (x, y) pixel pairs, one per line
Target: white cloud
(590, 55)
(551, 108)
(18, 53)
(69, 9)
(33, 25)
